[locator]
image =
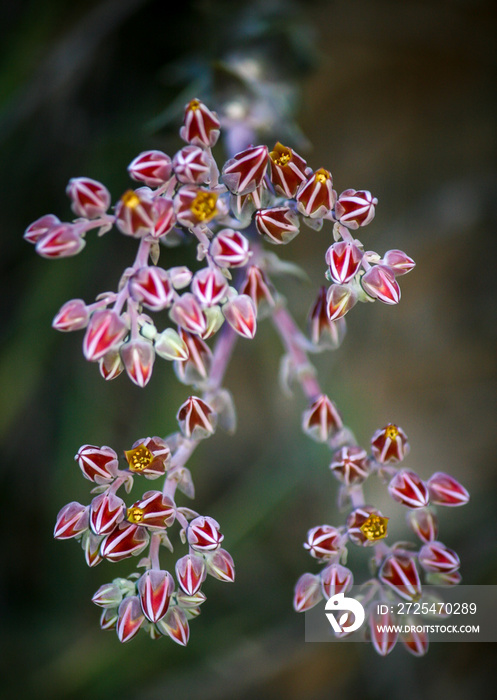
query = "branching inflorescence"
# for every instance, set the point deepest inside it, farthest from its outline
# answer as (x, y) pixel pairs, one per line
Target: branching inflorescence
(268, 194)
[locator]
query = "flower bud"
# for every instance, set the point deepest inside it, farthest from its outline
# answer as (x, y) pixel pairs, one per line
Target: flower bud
(241, 314)
(175, 624)
(171, 346)
(163, 216)
(322, 419)
(423, 523)
(190, 572)
(187, 313)
(196, 418)
(335, 578)
(151, 167)
(40, 228)
(110, 365)
(435, 556)
(245, 171)
(201, 126)
(89, 198)
(154, 589)
(130, 619)
(105, 332)
(256, 286)
(446, 491)
(324, 333)
(125, 541)
(288, 170)
(379, 282)
(350, 465)
(191, 165)
(197, 366)
(180, 276)
(389, 444)
(407, 488)
(91, 546)
(108, 595)
(138, 357)
(72, 316)
(209, 285)
(106, 512)
(383, 630)
(339, 300)
(61, 241)
(220, 565)
(344, 259)
(416, 640)
(323, 541)
(307, 592)
(355, 208)
(203, 534)
(72, 521)
(316, 196)
(398, 261)
(153, 510)
(151, 287)
(230, 249)
(399, 572)
(108, 619)
(277, 225)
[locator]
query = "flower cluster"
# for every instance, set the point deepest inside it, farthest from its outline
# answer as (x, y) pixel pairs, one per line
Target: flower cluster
(186, 196)
(397, 567)
(109, 529)
(269, 195)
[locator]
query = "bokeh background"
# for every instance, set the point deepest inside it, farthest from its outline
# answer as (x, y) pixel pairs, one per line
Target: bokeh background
(395, 97)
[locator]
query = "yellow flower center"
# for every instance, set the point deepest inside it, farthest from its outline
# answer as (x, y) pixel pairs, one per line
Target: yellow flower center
(203, 206)
(281, 155)
(135, 514)
(130, 199)
(374, 528)
(322, 175)
(194, 105)
(139, 459)
(391, 431)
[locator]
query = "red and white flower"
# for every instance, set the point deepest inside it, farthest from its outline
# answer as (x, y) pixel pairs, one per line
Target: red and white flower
(398, 261)
(220, 565)
(278, 224)
(40, 228)
(72, 316)
(105, 332)
(98, 464)
(379, 282)
(323, 332)
(149, 456)
(106, 512)
(288, 170)
(72, 521)
(335, 578)
(322, 419)
(188, 314)
(89, 198)
(230, 248)
(138, 357)
(203, 534)
(135, 213)
(130, 619)
(407, 488)
(344, 259)
(323, 541)
(446, 491)
(307, 592)
(190, 572)
(382, 627)
(355, 208)
(60, 241)
(125, 541)
(435, 556)
(151, 287)
(389, 444)
(241, 314)
(340, 298)
(209, 285)
(201, 126)
(423, 522)
(175, 625)
(153, 510)
(350, 465)
(192, 165)
(399, 572)
(196, 418)
(151, 167)
(245, 171)
(154, 590)
(316, 197)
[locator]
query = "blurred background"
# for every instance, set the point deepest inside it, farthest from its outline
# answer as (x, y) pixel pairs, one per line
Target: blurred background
(397, 98)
